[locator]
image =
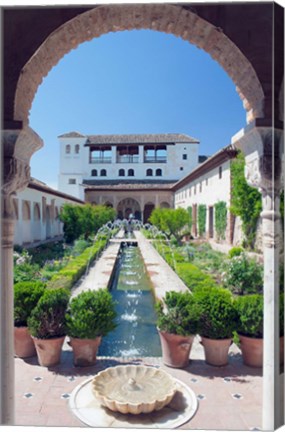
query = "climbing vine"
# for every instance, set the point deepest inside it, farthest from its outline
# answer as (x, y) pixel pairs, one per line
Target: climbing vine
(282, 208)
(190, 223)
(246, 201)
(221, 219)
(201, 219)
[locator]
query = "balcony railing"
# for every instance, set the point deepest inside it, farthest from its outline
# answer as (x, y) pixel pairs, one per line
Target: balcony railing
(155, 159)
(127, 159)
(98, 160)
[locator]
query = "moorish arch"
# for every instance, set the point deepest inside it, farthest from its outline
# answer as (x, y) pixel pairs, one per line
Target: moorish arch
(164, 204)
(129, 206)
(165, 18)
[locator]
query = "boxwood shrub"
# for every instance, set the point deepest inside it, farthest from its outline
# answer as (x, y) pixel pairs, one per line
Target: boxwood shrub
(91, 314)
(218, 315)
(26, 297)
(250, 315)
(47, 319)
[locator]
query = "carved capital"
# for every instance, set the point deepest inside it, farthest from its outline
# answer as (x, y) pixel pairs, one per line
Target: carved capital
(16, 177)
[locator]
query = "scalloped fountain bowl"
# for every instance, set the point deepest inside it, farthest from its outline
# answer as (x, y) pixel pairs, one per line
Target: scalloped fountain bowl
(133, 389)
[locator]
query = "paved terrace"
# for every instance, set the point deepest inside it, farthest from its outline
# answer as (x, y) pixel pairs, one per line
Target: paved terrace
(230, 397)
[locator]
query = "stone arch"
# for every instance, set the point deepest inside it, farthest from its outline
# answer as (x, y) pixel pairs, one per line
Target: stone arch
(26, 211)
(165, 18)
(129, 206)
(164, 204)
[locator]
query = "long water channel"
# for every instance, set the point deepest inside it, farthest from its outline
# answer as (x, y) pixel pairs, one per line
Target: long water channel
(136, 333)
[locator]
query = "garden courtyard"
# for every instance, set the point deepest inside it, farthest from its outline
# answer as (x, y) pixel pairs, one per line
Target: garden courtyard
(228, 397)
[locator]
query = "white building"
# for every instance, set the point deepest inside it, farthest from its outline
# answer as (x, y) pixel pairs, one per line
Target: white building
(36, 211)
(90, 160)
(208, 184)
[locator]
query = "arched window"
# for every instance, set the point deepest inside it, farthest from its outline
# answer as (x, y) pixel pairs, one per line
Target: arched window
(94, 173)
(149, 172)
(77, 147)
(121, 173)
(158, 172)
(131, 173)
(26, 212)
(103, 173)
(67, 149)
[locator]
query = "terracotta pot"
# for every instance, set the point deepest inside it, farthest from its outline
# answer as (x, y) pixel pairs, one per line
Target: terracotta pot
(252, 350)
(49, 350)
(84, 351)
(23, 343)
(175, 349)
(216, 350)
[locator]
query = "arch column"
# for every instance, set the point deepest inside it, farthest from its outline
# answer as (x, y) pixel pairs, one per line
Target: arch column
(18, 146)
(263, 149)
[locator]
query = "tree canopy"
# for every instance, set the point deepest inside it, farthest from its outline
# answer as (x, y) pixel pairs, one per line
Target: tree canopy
(84, 220)
(172, 221)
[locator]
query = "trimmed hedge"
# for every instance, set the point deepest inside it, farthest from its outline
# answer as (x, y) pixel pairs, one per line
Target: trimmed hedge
(193, 277)
(76, 267)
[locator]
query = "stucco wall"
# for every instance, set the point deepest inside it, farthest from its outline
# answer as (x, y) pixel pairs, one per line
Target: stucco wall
(35, 215)
(208, 188)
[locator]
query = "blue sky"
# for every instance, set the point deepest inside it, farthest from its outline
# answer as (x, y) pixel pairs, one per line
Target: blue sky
(137, 81)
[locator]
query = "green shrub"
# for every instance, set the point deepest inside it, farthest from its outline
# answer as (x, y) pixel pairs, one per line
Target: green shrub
(26, 272)
(91, 314)
(235, 251)
(250, 315)
(26, 297)
(79, 246)
(76, 267)
(243, 275)
(193, 277)
(178, 313)
(218, 314)
(47, 319)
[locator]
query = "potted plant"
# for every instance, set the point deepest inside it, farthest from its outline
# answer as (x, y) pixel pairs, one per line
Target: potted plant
(90, 316)
(217, 323)
(26, 297)
(47, 325)
(250, 328)
(177, 321)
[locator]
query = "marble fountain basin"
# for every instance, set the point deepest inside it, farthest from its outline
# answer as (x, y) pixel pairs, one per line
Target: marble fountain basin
(134, 389)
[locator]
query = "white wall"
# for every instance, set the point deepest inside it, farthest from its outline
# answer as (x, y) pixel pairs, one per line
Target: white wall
(214, 189)
(31, 229)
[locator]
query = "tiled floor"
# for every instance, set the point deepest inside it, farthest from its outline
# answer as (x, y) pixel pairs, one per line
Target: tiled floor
(230, 397)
